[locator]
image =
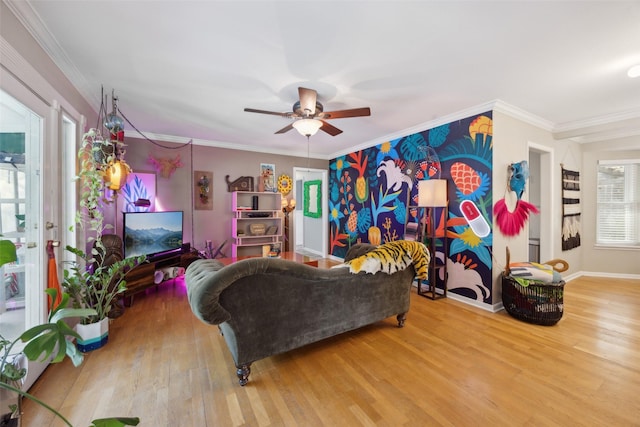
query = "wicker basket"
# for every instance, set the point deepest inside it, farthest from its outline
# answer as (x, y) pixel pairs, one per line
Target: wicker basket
(538, 303)
(541, 304)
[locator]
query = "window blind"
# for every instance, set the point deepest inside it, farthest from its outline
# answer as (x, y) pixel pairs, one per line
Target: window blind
(618, 203)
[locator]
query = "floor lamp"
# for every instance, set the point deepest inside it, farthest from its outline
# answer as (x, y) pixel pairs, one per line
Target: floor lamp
(432, 194)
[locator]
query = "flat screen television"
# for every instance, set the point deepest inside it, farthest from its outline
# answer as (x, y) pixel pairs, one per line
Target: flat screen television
(151, 233)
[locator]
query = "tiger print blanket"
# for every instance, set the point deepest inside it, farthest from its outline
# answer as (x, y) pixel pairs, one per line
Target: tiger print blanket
(392, 257)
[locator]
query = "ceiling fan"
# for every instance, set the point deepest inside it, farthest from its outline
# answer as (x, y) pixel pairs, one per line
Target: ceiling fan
(309, 114)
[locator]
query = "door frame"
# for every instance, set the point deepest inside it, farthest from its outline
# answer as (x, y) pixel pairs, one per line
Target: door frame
(299, 174)
(547, 223)
(33, 91)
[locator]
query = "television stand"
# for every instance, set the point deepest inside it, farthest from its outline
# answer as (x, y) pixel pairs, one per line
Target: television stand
(141, 277)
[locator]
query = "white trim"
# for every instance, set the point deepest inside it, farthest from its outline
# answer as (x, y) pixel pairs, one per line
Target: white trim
(482, 108)
(14, 64)
(32, 22)
(324, 173)
(522, 115)
(580, 125)
(619, 162)
(609, 275)
(547, 198)
(487, 307)
(228, 145)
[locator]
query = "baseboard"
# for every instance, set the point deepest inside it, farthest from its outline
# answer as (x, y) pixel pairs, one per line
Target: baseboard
(487, 307)
(612, 275)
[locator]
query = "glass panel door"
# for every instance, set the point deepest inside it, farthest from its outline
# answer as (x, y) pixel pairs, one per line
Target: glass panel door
(21, 299)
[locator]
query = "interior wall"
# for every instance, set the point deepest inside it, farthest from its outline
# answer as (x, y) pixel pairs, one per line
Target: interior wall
(21, 40)
(177, 192)
(373, 194)
(511, 144)
(605, 260)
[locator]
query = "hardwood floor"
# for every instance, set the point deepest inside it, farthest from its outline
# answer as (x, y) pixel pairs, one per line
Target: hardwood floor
(451, 365)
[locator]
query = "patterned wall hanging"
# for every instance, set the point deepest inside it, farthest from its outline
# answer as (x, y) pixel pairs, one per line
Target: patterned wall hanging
(202, 190)
(570, 209)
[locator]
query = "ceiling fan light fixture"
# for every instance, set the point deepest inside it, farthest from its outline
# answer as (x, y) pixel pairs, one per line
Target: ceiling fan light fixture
(307, 127)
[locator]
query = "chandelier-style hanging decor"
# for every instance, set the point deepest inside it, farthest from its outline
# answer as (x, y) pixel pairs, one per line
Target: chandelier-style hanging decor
(110, 152)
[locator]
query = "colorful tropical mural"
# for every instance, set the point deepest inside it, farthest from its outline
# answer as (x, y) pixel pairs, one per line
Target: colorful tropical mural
(373, 193)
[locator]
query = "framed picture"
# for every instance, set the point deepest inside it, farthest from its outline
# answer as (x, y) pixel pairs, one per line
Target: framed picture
(313, 199)
(139, 193)
(268, 176)
(202, 190)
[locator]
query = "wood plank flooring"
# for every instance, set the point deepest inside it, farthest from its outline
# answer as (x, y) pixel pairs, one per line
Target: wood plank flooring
(451, 365)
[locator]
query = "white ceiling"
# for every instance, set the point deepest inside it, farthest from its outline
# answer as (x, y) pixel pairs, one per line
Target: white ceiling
(188, 68)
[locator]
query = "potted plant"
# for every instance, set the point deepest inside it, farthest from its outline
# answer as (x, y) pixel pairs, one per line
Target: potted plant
(7, 254)
(41, 342)
(91, 282)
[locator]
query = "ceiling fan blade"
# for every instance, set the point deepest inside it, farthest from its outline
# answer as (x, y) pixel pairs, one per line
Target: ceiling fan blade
(287, 128)
(341, 114)
(330, 129)
(274, 113)
(308, 98)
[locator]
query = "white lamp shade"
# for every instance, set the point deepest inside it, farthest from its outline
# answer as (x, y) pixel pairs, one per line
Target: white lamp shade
(432, 192)
(307, 127)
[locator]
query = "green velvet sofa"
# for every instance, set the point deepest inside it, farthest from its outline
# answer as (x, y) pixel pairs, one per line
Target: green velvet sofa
(267, 306)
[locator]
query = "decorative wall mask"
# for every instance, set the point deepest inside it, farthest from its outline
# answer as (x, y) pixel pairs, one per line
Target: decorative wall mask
(166, 167)
(511, 217)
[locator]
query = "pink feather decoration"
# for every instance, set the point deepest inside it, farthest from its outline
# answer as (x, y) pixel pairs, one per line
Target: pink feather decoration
(511, 223)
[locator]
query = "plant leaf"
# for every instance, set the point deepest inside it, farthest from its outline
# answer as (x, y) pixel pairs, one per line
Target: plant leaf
(115, 422)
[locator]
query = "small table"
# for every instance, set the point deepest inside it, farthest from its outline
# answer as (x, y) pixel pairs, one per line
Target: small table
(290, 256)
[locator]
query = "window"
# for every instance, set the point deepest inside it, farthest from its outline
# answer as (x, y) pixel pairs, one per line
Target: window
(12, 184)
(618, 221)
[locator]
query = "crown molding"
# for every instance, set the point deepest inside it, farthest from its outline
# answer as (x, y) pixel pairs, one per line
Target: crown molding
(30, 19)
(228, 145)
(482, 108)
(522, 115)
(602, 128)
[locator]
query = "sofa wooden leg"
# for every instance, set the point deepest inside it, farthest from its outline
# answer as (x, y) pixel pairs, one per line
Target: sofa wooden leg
(401, 318)
(243, 374)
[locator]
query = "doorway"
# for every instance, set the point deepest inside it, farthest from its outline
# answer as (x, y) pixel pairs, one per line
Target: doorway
(310, 234)
(541, 195)
(22, 302)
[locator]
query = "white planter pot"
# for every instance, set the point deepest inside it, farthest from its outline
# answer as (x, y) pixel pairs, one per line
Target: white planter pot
(92, 336)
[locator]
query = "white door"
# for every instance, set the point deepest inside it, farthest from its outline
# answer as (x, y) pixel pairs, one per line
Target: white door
(22, 303)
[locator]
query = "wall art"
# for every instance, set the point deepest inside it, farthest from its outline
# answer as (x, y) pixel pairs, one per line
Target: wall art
(371, 190)
(138, 194)
(570, 209)
(313, 199)
(202, 190)
(268, 177)
(284, 184)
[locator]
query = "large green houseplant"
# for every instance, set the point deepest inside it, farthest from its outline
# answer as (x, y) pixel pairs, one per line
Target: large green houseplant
(42, 341)
(91, 282)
